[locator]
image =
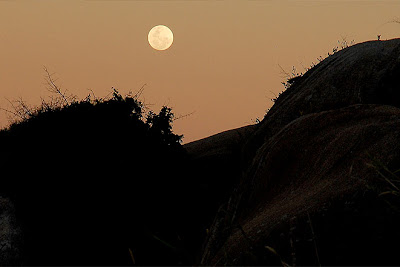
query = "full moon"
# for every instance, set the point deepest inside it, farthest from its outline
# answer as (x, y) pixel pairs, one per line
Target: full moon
(160, 37)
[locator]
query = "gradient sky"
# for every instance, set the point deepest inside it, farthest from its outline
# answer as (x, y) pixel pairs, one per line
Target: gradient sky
(224, 64)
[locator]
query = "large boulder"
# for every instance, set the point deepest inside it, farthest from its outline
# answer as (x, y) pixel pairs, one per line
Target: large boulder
(366, 73)
(215, 164)
(214, 168)
(323, 145)
(221, 145)
(312, 162)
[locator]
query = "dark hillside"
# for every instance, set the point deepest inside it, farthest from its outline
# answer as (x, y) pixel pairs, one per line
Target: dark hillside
(316, 182)
(319, 177)
(93, 179)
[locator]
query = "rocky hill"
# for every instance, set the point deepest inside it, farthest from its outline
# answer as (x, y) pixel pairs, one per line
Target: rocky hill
(315, 182)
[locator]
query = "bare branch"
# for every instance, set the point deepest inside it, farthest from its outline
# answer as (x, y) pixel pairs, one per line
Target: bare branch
(53, 87)
(184, 116)
(9, 111)
(273, 94)
(286, 74)
(25, 109)
(139, 93)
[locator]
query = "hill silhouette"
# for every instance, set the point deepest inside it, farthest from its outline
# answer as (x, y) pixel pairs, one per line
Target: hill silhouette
(314, 183)
(91, 180)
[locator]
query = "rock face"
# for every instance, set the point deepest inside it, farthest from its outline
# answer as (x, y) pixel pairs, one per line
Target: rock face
(221, 145)
(366, 73)
(314, 167)
(214, 164)
(311, 161)
(10, 234)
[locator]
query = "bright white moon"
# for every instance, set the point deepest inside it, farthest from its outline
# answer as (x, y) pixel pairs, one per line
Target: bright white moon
(160, 37)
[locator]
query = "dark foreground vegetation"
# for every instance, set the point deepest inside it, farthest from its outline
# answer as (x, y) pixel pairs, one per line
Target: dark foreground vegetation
(96, 182)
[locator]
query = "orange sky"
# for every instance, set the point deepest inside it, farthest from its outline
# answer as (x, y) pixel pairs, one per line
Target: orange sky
(223, 64)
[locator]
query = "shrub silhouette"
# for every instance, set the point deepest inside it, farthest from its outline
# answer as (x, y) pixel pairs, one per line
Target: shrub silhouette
(95, 180)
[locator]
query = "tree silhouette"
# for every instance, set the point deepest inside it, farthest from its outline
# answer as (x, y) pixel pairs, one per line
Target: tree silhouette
(95, 182)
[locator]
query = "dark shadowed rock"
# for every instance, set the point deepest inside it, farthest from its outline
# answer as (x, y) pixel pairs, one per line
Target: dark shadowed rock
(312, 162)
(215, 161)
(221, 145)
(214, 164)
(366, 73)
(308, 159)
(10, 234)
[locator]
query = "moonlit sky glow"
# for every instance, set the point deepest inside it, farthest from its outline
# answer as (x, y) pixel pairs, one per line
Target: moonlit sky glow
(224, 64)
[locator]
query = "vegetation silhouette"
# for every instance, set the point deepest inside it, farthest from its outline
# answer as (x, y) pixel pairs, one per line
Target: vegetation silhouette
(96, 182)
